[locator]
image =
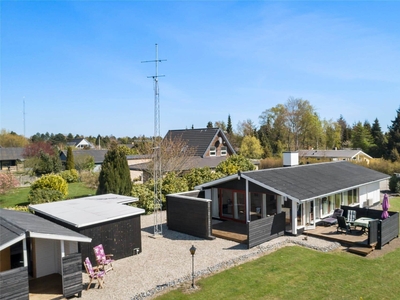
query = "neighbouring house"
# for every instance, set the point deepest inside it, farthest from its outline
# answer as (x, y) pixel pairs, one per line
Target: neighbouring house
(33, 248)
(80, 143)
(335, 155)
(276, 201)
(211, 147)
(137, 165)
(107, 219)
(98, 156)
(12, 159)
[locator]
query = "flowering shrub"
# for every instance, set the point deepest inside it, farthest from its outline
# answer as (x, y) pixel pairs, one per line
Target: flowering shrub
(48, 188)
(7, 182)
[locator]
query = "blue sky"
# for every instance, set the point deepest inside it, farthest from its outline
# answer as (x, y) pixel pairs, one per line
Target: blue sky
(77, 64)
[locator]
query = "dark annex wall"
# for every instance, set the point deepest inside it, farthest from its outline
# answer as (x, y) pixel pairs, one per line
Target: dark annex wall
(119, 237)
(190, 215)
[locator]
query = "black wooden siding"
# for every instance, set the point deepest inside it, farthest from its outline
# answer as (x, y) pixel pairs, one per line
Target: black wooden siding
(119, 237)
(72, 275)
(387, 230)
(14, 284)
(265, 229)
(189, 215)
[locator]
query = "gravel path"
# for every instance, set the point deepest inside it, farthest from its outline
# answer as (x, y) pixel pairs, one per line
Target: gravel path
(166, 261)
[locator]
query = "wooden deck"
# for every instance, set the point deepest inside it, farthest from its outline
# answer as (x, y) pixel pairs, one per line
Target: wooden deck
(47, 287)
(356, 240)
(230, 230)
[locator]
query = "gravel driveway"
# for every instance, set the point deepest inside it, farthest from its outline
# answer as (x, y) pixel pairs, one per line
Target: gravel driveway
(166, 262)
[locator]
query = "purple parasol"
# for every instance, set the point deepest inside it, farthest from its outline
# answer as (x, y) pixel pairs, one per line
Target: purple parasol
(385, 207)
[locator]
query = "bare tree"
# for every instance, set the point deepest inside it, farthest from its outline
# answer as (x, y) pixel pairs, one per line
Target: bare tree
(176, 156)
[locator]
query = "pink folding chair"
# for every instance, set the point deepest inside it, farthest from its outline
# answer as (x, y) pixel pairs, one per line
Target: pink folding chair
(94, 274)
(104, 261)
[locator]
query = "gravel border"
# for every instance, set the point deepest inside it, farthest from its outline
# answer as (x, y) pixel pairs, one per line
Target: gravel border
(165, 261)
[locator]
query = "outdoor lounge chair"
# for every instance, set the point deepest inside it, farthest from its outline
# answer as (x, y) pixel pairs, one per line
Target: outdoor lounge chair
(343, 226)
(104, 261)
(94, 273)
(331, 220)
(351, 216)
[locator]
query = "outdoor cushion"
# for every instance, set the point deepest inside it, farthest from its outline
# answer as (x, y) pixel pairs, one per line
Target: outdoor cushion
(331, 220)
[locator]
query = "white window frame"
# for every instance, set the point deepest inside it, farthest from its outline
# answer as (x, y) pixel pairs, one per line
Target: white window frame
(213, 151)
(224, 151)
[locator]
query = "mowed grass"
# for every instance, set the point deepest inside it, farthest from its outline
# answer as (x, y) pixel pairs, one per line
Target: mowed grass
(19, 196)
(300, 273)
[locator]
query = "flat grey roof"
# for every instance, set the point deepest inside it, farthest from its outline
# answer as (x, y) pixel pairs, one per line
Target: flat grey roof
(16, 225)
(88, 211)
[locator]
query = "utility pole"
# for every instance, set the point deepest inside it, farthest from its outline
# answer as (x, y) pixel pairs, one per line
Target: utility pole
(157, 150)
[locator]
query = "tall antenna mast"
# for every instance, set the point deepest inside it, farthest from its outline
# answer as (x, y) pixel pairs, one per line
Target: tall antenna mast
(24, 115)
(157, 150)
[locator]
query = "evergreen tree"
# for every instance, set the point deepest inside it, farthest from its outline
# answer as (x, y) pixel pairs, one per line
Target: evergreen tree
(229, 126)
(70, 165)
(114, 175)
(209, 124)
(393, 145)
(361, 137)
(379, 142)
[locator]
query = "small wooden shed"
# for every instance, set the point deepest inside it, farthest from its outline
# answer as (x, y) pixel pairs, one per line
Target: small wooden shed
(106, 219)
(34, 248)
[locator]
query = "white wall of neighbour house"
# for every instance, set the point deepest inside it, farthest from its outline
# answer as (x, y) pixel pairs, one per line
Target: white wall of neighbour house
(369, 194)
(47, 257)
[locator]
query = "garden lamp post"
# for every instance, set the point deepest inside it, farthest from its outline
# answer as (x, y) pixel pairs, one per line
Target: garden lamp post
(192, 251)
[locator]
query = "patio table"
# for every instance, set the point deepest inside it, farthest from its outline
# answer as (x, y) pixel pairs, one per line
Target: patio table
(362, 222)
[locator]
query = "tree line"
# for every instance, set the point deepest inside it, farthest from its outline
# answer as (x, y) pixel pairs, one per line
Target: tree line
(294, 125)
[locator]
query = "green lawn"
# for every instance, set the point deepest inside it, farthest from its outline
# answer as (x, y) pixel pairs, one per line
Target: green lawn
(19, 197)
(300, 273)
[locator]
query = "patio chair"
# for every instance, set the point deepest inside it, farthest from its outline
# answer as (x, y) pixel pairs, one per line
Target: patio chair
(331, 220)
(351, 216)
(104, 261)
(94, 273)
(343, 226)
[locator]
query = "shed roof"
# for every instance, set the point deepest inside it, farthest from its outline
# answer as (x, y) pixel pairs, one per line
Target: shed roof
(11, 153)
(88, 211)
(98, 155)
(16, 225)
(310, 181)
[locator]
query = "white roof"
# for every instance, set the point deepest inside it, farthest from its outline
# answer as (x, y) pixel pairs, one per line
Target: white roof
(87, 211)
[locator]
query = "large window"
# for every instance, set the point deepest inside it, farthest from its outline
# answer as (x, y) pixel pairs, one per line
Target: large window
(233, 204)
(352, 196)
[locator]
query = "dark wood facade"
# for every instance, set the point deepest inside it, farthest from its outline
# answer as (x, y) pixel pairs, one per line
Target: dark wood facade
(14, 284)
(190, 215)
(72, 275)
(265, 229)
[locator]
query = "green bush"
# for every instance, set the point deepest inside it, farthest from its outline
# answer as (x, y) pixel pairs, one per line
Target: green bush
(90, 179)
(145, 195)
(51, 182)
(70, 176)
(38, 196)
(394, 184)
